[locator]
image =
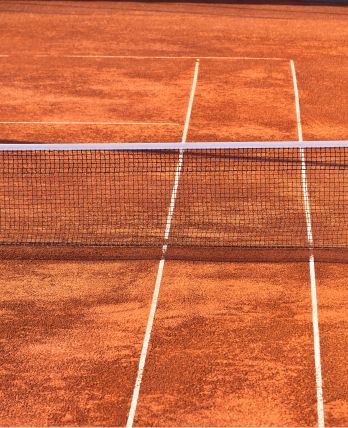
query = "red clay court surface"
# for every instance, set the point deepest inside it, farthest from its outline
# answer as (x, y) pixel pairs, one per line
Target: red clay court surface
(232, 343)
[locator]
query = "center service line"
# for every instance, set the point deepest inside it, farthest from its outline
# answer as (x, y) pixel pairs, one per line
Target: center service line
(315, 320)
(151, 318)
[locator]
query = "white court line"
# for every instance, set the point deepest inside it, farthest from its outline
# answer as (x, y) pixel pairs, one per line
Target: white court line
(315, 319)
(151, 318)
(225, 58)
(89, 123)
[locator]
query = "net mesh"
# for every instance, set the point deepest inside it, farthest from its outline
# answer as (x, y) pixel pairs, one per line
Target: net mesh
(201, 196)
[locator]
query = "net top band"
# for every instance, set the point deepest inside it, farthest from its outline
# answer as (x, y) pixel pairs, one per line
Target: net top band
(175, 146)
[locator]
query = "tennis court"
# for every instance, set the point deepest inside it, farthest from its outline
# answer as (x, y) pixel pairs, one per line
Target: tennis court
(173, 214)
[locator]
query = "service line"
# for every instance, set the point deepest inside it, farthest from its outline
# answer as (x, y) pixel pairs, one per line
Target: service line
(178, 57)
(58, 123)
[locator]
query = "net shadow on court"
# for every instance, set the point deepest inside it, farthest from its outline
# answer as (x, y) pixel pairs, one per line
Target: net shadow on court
(190, 254)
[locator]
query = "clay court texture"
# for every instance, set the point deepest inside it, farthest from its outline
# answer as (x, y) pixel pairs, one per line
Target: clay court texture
(164, 334)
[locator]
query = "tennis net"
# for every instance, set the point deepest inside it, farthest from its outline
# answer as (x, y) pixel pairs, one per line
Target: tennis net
(242, 195)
